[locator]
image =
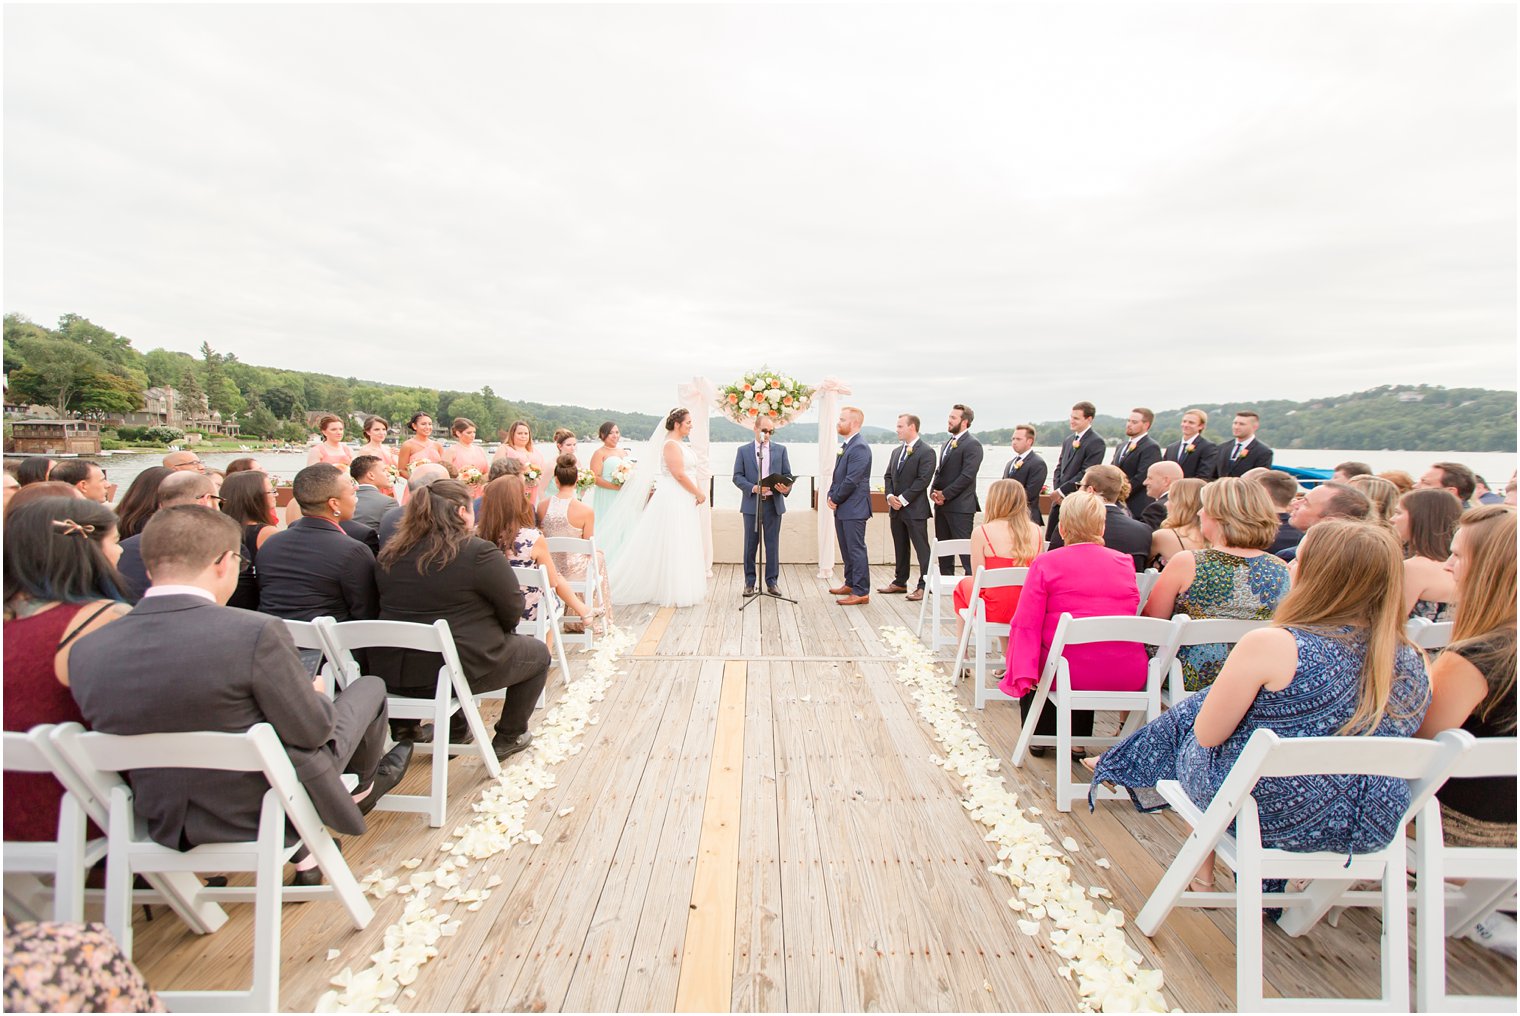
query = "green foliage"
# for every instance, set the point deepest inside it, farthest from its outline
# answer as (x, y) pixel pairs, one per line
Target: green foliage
(161, 435)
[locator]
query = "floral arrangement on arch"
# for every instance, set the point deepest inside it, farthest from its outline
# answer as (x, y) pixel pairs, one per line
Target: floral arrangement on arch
(764, 392)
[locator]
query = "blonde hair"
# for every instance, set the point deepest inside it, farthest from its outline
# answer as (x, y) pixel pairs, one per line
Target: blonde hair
(1399, 479)
(1083, 516)
(1203, 418)
(1183, 500)
(1383, 494)
(1484, 630)
(1351, 574)
(1008, 502)
(860, 418)
(1246, 516)
(1109, 481)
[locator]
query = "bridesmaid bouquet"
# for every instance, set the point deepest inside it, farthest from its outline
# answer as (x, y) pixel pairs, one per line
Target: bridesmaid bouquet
(584, 480)
(621, 473)
(471, 476)
(765, 393)
(531, 474)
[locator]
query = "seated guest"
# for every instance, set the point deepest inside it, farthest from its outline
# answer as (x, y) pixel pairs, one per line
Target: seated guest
(140, 501)
(1473, 681)
(1281, 489)
(506, 519)
(1335, 662)
(1452, 477)
(177, 488)
(1425, 523)
(1399, 479)
(1234, 578)
(1179, 529)
(11, 486)
(1511, 489)
(1085, 579)
(60, 583)
(1346, 470)
(215, 669)
(248, 499)
(1158, 480)
(184, 461)
(53, 966)
(423, 474)
(86, 477)
(313, 569)
(1383, 495)
(1120, 532)
(248, 465)
(372, 495)
(1329, 500)
(34, 469)
(566, 515)
(1483, 494)
(40, 492)
(433, 568)
(1007, 538)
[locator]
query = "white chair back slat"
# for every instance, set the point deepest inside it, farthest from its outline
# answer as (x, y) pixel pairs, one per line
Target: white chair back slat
(937, 586)
(1435, 635)
(67, 857)
(1198, 632)
(24, 753)
(550, 613)
(978, 632)
(305, 634)
(1145, 581)
(118, 753)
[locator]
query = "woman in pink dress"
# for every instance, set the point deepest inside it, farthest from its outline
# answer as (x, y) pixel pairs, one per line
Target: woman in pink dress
(519, 446)
(331, 448)
(1085, 579)
(376, 430)
(420, 447)
(466, 454)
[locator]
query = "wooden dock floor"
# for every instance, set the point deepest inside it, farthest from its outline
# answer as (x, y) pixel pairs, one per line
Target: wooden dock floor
(756, 825)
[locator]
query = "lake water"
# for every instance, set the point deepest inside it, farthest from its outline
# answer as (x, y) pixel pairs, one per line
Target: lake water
(1495, 466)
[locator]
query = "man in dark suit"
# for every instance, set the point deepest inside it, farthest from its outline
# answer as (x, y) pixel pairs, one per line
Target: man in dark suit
(1120, 532)
(1082, 449)
(372, 495)
(314, 568)
(422, 476)
(183, 487)
(180, 661)
(910, 470)
(1158, 481)
(953, 491)
(850, 500)
(1245, 452)
(1282, 489)
(1028, 468)
(1135, 454)
(754, 462)
(1196, 454)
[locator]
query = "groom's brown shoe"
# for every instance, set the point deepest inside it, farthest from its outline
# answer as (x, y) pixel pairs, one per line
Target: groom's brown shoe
(841, 591)
(893, 588)
(853, 601)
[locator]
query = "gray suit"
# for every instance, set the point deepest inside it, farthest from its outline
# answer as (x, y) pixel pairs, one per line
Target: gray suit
(182, 663)
(372, 505)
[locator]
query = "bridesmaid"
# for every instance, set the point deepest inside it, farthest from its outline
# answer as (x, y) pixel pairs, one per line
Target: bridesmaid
(519, 446)
(420, 447)
(604, 463)
(331, 448)
(466, 453)
(564, 444)
(376, 430)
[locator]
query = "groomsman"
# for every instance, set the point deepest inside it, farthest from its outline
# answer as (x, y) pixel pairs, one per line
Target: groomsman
(1083, 447)
(1028, 468)
(1196, 454)
(850, 500)
(753, 463)
(954, 488)
(909, 473)
(1135, 456)
(1245, 452)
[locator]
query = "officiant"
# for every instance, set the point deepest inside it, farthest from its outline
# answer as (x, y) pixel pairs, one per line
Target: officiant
(758, 460)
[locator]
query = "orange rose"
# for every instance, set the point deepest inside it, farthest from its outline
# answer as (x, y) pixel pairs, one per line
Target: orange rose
(753, 412)
(775, 383)
(786, 401)
(748, 388)
(774, 413)
(732, 399)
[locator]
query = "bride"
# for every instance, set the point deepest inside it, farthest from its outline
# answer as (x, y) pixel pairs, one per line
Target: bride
(661, 559)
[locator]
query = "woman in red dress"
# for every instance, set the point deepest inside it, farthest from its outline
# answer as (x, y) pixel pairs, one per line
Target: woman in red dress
(1007, 538)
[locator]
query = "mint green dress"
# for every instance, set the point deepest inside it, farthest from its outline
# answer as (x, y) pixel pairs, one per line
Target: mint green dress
(600, 498)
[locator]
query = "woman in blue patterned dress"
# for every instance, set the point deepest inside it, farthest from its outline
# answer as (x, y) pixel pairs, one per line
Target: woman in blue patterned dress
(1234, 577)
(1335, 662)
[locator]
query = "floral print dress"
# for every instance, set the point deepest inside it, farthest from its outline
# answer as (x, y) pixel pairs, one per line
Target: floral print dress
(1226, 585)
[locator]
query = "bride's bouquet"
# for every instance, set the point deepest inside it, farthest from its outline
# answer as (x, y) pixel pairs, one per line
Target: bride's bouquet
(765, 393)
(584, 480)
(622, 472)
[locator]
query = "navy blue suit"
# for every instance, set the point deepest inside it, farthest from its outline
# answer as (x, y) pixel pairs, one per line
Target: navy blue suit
(851, 494)
(746, 476)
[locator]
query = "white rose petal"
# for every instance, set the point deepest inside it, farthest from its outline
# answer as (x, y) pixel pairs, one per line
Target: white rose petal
(1030, 928)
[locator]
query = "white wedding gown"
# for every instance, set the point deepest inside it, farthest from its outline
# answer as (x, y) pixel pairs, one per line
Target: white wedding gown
(662, 560)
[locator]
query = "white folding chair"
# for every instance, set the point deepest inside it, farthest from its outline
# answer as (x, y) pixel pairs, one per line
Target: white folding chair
(99, 760)
(937, 586)
(1433, 635)
(306, 637)
(588, 588)
(550, 613)
(1425, 764)
(1198, 632)
(980, 632)
(1488, 882)
(66, 858)
(451, 694)
(1142, 705)
(1145, 581)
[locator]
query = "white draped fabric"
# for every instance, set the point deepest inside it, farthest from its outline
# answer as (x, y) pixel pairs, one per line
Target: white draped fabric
(826, 399)
(698, 395)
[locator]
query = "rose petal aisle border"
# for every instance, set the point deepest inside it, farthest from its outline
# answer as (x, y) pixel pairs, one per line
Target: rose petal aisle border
(1105, 968)
(460, 880)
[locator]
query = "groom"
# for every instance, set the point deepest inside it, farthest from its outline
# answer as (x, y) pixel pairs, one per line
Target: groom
(754, 462)
(850, 499)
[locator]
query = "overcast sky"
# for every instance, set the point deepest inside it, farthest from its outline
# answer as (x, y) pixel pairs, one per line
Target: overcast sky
(1013, 207)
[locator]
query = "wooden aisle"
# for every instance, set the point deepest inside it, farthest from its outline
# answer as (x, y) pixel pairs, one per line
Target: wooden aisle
(755, 825)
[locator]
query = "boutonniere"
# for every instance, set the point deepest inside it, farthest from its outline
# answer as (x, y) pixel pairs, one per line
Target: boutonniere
(954, 443)
(1018, 465)
(908, 453)
(1240, 454)
(1077, 443)
(1187, 450)
(840, 452)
